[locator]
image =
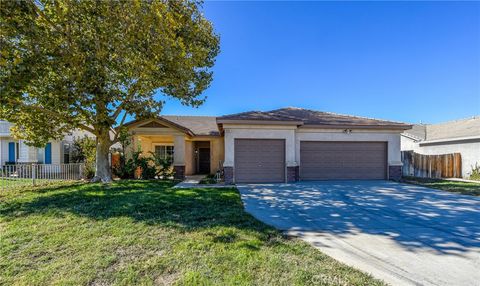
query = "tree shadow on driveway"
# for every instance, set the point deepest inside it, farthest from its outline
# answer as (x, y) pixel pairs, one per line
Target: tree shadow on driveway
(414, 217)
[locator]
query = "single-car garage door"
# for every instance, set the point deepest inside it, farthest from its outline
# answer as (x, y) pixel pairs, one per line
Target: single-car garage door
(259, 160)
(321, 160)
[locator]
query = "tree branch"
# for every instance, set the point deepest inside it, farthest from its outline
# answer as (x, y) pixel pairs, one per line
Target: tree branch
(54, 114)
(118, 128)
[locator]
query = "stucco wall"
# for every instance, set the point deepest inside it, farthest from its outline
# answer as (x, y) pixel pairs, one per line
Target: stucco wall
(216, 154)
(407, 144)
(293, 136)
(189, 158)
(470, 151)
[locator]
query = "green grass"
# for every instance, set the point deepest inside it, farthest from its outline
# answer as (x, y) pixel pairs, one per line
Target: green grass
(15, 183)
(146, 233)
(465, 188)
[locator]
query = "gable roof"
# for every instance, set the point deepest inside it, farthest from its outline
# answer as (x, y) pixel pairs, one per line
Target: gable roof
(448, 130)
(199, 125)
(191, 125)
(418, 132)
(312, 118)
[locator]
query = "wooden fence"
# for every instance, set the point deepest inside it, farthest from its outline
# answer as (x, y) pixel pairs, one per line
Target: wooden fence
(432, 166)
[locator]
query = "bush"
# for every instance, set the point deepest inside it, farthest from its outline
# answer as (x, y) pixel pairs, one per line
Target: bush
(84, 151)
(125, 168)
(475, 173)
(148, 167)
(208, 180)
(163, 166)
(147, 171)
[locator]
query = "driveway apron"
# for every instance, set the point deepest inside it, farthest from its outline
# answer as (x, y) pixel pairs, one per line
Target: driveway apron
(403, 234)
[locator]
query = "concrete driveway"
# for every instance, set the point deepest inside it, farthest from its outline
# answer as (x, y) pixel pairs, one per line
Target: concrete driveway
(403, 234)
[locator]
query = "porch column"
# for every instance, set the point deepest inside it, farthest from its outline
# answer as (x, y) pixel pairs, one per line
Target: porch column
(27, 154)
(179, 157)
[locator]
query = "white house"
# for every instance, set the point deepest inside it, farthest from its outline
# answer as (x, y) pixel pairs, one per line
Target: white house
(16, 151)
(459, 136)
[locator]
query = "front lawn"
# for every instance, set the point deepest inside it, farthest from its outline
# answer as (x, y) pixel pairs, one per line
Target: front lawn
(465, 188)
(141, 232)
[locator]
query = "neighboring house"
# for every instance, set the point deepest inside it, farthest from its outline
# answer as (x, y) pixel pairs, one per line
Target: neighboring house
(284, 145)
(16, 151)
(459, 136)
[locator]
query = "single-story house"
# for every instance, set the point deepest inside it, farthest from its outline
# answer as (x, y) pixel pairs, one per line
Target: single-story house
(459, 136)
(283, 145)
(16, 151)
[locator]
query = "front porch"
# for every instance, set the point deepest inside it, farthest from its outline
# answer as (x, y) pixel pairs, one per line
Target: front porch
(190, 156)
(190, 153)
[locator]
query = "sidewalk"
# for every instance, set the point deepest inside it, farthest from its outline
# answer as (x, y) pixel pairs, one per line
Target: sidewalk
(194, 182)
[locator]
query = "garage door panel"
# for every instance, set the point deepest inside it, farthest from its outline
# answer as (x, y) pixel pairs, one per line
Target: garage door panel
(321, 160)
(259, 160)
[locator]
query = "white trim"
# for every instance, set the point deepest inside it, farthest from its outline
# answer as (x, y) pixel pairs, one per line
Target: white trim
(449, 140)
(409, 136)
(162, 144)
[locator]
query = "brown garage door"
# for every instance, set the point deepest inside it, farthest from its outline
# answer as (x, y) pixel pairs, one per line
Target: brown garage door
(320, 160)
(259, 160)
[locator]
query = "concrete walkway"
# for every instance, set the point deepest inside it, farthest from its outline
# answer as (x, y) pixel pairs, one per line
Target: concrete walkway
(193, 181)
(403, 234)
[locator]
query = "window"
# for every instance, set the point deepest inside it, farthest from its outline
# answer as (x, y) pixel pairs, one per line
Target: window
(66, 153)
(164, 152)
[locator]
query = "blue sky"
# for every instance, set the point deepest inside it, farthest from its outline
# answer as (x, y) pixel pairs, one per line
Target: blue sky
(412, 62)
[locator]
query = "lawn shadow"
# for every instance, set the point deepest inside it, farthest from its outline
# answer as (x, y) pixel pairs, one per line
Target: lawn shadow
(149, 202)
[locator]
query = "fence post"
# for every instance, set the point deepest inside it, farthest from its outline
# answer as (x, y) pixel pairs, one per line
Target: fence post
(34, 173)
(80, 171)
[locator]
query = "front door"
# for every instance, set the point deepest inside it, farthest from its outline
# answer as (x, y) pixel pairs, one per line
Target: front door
(204, 160)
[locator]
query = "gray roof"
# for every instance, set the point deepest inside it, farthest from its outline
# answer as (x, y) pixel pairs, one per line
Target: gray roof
(448, 130)
(199, 125)
(312, 117)
(418, 132)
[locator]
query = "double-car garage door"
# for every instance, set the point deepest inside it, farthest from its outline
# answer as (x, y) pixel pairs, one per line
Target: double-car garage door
(320, 160)
(263, 160)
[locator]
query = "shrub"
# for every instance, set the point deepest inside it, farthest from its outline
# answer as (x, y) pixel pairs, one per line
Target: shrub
(208, 180)
(475, 173)
(148, 167)
(84, 151)
(163, 166)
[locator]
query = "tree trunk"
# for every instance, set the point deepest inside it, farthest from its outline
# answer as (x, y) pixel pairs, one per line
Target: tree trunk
(103, 172)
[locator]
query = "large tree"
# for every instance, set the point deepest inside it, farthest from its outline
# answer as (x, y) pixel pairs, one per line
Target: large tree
(88, 64)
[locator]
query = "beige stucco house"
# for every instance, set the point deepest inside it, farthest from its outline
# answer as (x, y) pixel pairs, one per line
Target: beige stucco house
(283, 145)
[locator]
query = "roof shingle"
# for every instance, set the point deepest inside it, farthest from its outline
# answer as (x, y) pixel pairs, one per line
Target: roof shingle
(448, 130)
(199, 125)
(311, 117)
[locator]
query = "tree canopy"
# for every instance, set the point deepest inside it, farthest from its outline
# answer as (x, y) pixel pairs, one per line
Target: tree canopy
(87, 64)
